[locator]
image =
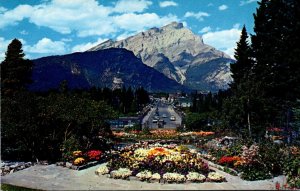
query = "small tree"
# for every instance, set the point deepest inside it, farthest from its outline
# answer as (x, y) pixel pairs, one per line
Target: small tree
(15, 70)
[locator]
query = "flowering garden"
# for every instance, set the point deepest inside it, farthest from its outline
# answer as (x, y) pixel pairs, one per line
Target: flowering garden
(156, 162)
(154, 157)
(161, 134)
(256, 161)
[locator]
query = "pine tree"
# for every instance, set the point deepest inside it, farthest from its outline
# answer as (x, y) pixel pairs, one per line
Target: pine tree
(242, 67)
(241, 86)
(15, 70)
(276, 51)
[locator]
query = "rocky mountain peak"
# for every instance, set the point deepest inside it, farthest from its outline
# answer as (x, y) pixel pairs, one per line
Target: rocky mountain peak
(171, 49)
(173, 25)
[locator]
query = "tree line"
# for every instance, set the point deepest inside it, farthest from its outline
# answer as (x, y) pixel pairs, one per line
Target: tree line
(49, 125)
(265, 91)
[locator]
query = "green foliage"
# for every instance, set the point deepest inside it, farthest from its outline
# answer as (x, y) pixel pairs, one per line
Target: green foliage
(146, 131)
(196, 121)
(68, 147)
(255, 171)
(180, 128)
(126, 100)
(291, 168)
(51, 124)
(38, 126)
(182, 148)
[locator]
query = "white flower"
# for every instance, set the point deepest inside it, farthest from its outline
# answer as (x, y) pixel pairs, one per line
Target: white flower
(102, 169)
(121, 173)
(174, 177)
(214, 176)
(155, 176)
(194, 151)
(195, 176)
(186, 133)
(141, 153)
(144, 175)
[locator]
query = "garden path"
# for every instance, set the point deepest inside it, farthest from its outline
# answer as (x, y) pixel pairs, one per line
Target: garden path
(52, 177)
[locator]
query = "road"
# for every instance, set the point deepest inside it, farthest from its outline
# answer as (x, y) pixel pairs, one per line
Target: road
(163, 109)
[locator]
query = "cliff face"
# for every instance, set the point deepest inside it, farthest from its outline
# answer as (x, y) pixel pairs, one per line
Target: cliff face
(179, 54)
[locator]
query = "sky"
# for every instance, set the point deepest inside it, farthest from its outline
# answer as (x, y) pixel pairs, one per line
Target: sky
(55, 27)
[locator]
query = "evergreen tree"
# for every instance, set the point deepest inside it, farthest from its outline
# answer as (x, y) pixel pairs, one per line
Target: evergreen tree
(239, 104)
(242, 67)
(277, 53)
(15, 70)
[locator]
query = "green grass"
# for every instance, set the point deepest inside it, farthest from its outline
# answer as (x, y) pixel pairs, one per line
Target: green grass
(7, 187)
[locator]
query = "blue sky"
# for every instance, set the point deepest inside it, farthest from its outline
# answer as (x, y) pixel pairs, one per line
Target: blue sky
(52, 27)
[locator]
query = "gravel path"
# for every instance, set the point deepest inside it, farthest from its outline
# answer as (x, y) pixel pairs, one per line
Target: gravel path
(52, 177)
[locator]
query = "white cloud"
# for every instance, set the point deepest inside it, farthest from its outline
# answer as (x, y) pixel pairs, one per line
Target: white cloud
(167, 4)
(66, 39)
(86, 17)
(47, 46)
(236, 25)
(125, 6)
(224, 40)
(12, 17)
(200, 15)
(223, 7)
(210, 4)
(242, 3)
(85, 47)
(125, 35)
(24, 32)
(3, 47)
(205, 29)
(2, 9)
(138, 22)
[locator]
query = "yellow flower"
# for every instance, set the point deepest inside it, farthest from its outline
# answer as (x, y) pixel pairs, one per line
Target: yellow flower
(77, 153)
(79, 160)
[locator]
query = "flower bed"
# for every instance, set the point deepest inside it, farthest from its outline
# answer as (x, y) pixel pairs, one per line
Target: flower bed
(256, 161)
(168, 163)
(81, 160)
(161, 134)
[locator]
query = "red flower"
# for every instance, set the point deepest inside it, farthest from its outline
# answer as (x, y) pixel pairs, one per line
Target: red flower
(277, 185)
(229, 160)
(275, 129)
(94, 154)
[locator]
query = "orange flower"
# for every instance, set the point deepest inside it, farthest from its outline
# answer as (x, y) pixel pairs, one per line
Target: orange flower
(118, 134)
(158, 151)
(203, 133)
(239, 163)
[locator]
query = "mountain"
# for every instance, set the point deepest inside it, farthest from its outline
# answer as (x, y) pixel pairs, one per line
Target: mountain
(112, 68)
(179, 54)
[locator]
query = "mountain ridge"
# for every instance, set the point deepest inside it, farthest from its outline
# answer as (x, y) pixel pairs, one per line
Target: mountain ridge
(111, 68)
(172, 50)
